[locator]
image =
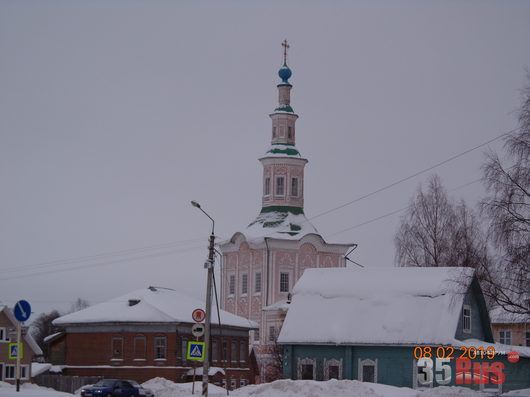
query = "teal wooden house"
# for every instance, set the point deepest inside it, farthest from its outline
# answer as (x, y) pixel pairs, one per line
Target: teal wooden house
(374, 325)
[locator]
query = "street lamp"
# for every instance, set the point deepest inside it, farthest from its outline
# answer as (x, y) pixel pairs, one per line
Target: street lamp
(208, 265)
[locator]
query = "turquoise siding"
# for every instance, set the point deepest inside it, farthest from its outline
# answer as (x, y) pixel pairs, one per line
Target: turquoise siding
(395, 364)
(480, 324)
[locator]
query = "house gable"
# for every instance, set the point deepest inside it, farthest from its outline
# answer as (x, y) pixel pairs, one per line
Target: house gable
(480, 321)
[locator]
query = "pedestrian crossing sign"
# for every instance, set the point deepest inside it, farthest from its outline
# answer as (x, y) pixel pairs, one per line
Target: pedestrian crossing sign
(15, 349)
(195, 351)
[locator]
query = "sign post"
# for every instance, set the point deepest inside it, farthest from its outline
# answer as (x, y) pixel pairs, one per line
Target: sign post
(22, 312)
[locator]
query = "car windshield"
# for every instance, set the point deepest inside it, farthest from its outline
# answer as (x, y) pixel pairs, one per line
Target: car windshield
(105, 383)
(135, 384)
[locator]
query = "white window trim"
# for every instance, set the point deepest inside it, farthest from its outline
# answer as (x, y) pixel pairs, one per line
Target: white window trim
(306, 361)
(505, 331)
(4, 338)
(230, 283)
(256, 293)
(332, 362)
(265, 185)
(415, 384)
(276, 186)
(464, 329)
(280, 282)
(360, 368)
(22, 367)
(242, 276)
(297, 187)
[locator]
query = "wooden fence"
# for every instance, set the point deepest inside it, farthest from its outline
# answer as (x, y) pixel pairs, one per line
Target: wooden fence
(67, 384)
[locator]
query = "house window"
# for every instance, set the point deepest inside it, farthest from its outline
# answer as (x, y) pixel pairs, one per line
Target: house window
(466, 318)
(267, 186)
(306, 368)
(256, 335)
(332, 369)
(215, 354)
(527, 338)
(367, 371)
(289, 132)
(233, 352)
(233, 383)
(242, 382)
(257, 283)
(184, 348)
(3, 335)
(272, 333)
(160, 347)
(280, 187)
(10, 372)
(505, 337)
(242, 352)
(224, 353)
(139, 347)
(284, 282)
(232, 284)
(117, 348)
(274, 132)
(294, 187)
(244, 284)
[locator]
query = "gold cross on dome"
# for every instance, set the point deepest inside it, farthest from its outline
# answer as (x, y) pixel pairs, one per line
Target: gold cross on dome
(285, 46)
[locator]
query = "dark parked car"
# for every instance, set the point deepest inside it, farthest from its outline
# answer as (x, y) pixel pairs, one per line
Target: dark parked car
(116, 388)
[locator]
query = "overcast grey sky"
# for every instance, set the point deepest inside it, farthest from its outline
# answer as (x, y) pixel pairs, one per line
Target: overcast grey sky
(115, 114)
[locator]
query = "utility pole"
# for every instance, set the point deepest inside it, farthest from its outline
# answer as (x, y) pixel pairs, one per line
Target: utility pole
(207, 323)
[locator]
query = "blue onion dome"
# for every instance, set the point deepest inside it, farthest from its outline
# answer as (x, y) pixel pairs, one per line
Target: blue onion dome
(285, 73)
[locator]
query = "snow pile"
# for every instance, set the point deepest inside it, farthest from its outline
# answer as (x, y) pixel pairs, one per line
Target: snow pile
(151, 304)
(162, 387)
(376, 306)
(29, 390)
(522, 392)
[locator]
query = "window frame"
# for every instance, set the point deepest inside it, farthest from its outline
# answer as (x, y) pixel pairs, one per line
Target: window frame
(305, 361)
(277, 186)
(506, 336)
(272, 334)
(365, 363)
(466, 318)
(293, 185)
(231, 284)
(244, 284)
(283, 283)
(267, 186)
(332, 362)
(113, 355)
(527, 338)
(257, 283)
(157, 346)
(24, 371)
(140, 357)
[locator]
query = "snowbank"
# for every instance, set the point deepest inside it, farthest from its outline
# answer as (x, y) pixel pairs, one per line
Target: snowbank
(29, 390)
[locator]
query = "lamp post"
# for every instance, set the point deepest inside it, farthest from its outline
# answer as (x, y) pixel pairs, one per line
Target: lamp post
(208, 265)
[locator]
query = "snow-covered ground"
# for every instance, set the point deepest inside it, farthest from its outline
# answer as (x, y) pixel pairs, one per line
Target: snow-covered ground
(282, 388)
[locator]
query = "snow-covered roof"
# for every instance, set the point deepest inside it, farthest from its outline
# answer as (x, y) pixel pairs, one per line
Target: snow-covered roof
(380, 306)
(281, 305)
(28, 338)
(500, 316)
(52, 337)
(279, 223)
(39, 368)
(149, 305)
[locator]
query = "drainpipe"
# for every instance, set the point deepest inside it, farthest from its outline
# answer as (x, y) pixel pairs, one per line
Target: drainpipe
(267, 295)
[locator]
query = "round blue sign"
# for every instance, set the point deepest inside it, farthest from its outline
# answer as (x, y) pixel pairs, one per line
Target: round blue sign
(22, 310)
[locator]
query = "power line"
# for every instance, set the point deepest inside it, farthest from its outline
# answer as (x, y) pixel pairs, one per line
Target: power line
(103, 263)
(74, 260)
(414, 174)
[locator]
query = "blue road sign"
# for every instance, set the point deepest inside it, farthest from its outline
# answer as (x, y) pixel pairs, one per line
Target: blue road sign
(195, 351)
(22, 310)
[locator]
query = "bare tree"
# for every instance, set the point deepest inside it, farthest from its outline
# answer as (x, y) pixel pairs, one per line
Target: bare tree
(507, 206)
(437, 232)
(42, 327)
(424, 237)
